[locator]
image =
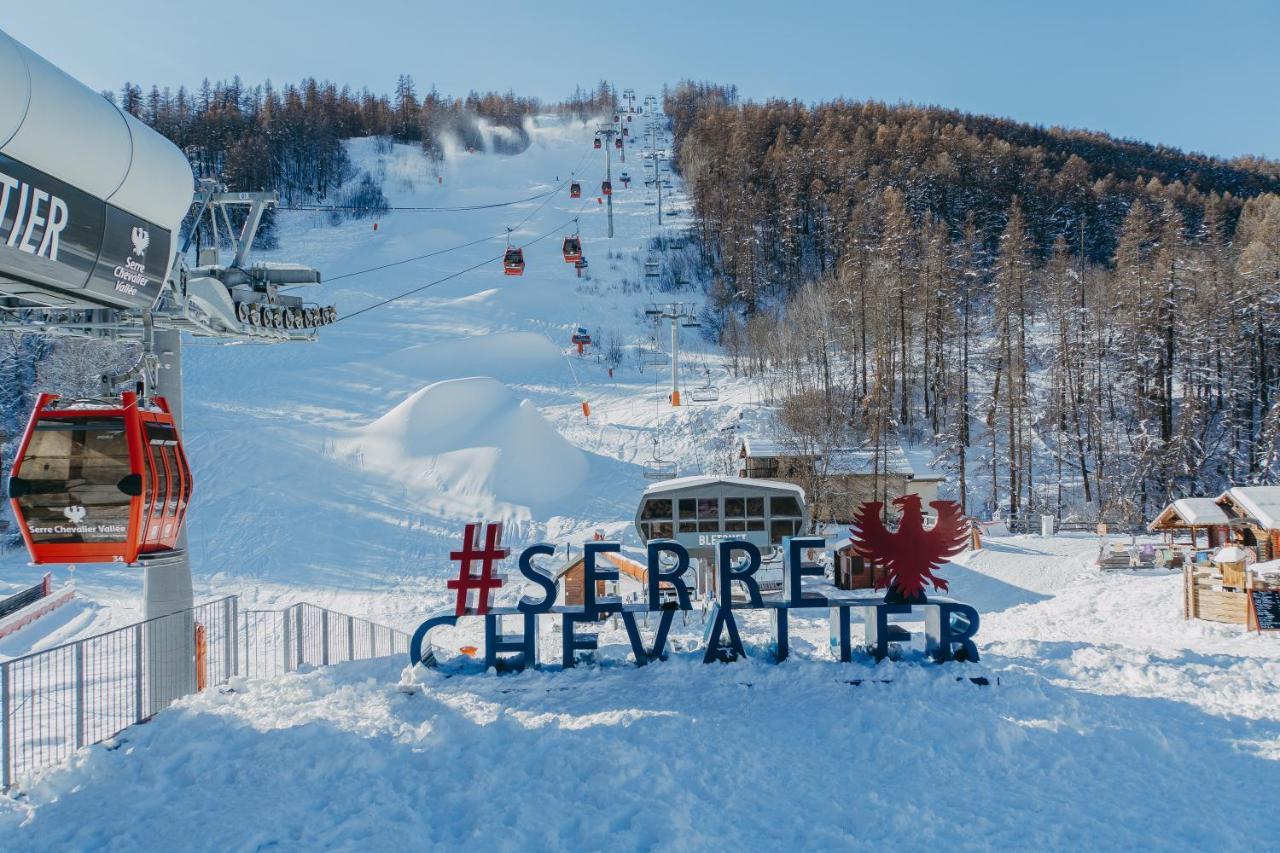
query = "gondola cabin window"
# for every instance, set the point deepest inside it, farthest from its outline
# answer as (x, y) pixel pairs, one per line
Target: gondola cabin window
(72, 469)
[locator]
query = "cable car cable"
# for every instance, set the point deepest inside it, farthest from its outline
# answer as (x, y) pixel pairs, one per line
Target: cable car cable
(422, 209)
(438, 252)
(411, 260)
(451, 276)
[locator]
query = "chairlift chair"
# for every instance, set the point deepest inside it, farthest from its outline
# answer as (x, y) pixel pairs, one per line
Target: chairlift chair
(653, 357)
(579, 265)
(706, 392)
(100, 482)
(652, 269)
(658, 468)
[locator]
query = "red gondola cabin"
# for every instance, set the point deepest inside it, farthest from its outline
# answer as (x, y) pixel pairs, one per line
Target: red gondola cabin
(597, 142)
(100, 483)
(606, 188)
(513, 261)
(572, 248)
(575, 190)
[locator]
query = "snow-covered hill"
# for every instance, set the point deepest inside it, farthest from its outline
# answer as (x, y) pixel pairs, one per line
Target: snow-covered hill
(342, 473)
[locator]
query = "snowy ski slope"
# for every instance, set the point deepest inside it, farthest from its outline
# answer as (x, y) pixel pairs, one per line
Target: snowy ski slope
(1115, 725)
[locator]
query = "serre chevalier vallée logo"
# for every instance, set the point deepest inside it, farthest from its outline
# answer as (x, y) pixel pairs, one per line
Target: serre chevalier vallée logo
(141, 240)
(75, 514)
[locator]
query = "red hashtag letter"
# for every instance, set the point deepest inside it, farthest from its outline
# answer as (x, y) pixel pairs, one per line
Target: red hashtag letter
(484, 583)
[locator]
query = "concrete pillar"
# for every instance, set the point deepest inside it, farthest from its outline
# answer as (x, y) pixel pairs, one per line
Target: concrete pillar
(166, 582)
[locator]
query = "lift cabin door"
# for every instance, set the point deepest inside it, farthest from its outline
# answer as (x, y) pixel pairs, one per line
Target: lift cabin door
(62, 246)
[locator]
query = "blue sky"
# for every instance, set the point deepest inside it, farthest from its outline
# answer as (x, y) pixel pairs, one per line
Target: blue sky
(1200, 76)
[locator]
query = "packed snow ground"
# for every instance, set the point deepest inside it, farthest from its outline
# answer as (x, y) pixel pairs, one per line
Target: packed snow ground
(1114, 723)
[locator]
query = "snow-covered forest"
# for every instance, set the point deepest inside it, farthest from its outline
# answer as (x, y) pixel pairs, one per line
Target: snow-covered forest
(1077, 324)
(1080, 324)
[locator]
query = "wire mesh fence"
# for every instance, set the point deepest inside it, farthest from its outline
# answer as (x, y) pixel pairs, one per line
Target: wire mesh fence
(56, 701)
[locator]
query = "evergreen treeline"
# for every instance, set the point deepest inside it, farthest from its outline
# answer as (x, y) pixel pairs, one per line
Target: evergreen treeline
(1079, 323)
(290, 139)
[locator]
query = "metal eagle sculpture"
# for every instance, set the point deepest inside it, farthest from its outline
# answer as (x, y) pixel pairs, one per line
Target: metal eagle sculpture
(910, 553)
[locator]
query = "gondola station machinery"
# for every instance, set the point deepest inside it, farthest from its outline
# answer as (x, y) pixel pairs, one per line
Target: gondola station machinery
(91, 206)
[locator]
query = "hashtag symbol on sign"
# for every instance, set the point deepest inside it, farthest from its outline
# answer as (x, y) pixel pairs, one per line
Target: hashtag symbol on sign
(485, 582)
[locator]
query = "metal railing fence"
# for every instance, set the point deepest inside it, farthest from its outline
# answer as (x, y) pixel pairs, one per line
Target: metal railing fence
(280, 641)
(58, 700)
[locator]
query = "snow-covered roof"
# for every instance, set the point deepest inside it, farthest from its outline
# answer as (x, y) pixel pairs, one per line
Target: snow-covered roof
(1261, 502)
(841, 460)
(1199, 511)
(687, 482)
(1230, 554)
(1271, 568)
(1190, 512)
(923, 464)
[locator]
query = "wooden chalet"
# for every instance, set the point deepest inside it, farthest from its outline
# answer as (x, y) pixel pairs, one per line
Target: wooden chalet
(571, 580)
(1189, 516)
(1253, 519)
(853, 571)
(852, 475)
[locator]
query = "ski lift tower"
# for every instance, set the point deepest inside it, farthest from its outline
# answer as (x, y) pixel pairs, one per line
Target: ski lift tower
(607, 133)
(681, 315)
(104, 198)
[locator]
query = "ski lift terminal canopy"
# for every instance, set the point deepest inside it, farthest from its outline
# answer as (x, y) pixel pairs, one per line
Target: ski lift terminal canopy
(90, 198)
(700, 511)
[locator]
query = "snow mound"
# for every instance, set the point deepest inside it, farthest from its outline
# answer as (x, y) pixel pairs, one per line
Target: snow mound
(469, 446)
